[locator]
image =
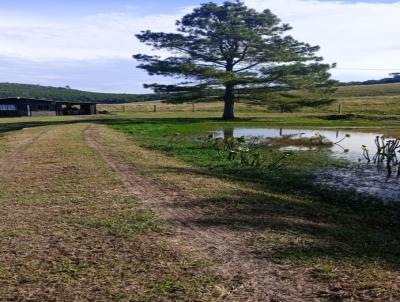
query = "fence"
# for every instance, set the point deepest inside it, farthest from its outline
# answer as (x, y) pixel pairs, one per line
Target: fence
(339, 107)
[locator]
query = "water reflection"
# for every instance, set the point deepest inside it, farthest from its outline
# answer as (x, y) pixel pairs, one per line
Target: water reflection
(352, 145)
(374, 169)
(228, 133)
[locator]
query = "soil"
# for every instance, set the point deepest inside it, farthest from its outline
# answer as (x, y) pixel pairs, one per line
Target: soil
(251, 278)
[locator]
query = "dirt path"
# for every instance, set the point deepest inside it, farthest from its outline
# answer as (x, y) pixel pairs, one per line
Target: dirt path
(16, 147)
(69, 232)
(253, 279)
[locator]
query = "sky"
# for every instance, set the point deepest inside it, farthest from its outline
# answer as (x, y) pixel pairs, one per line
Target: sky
(88, 44)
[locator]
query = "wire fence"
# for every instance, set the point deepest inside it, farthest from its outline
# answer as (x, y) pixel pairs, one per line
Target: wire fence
(338, 107)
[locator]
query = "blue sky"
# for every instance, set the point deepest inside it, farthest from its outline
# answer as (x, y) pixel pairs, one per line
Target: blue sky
(88, 44)
(76, 7)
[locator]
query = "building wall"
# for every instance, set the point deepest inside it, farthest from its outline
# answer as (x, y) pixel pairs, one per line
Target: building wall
(8, 109)
(17, 107)
(36, 108)
(43, 113)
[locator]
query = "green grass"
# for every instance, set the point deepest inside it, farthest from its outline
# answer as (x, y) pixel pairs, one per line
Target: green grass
(185, 140)
(122, 224)
(371, 100)
(377, 90)
(339, 236)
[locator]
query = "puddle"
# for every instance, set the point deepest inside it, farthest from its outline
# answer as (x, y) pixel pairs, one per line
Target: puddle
(352, 144)
(361, 176)
(367, 179)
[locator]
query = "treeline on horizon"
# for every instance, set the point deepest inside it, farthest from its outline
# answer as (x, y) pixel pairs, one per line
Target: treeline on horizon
(67, 94)
(373, 82)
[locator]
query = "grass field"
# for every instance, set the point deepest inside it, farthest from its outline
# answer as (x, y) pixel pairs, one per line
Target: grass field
(370, 100)
(70, 232)
(132, 206)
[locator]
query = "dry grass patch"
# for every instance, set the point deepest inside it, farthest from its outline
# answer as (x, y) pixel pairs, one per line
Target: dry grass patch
(327, 251)
(70, 232)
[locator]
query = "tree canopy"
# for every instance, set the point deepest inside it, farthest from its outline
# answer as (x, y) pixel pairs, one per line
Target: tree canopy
(222, 50)
(70, 95)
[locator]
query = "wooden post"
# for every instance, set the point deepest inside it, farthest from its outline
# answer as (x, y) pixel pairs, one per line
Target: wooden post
(123, 108)
(155, 108)
(193, 107)
(340, 108)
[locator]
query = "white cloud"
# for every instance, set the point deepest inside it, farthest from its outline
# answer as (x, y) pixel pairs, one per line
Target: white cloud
(355, 35)
(103, 36)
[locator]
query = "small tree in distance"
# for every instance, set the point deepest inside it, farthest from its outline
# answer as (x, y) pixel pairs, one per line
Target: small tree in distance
(232, 49)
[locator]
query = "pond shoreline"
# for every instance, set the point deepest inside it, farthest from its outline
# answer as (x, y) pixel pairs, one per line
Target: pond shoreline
(348, 145)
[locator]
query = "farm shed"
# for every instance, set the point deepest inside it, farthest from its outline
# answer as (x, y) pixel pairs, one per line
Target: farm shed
(16, 107)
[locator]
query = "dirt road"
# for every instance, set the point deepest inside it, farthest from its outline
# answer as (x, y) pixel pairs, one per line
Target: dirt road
(88, 215)
(252, 279)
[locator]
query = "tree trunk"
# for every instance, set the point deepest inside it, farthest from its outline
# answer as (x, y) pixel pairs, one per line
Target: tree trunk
(229, 99)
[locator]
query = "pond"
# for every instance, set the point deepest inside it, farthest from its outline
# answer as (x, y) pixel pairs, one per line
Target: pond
(362, 176)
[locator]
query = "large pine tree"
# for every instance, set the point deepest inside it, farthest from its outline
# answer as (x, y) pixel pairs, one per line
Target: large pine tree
(231, 48)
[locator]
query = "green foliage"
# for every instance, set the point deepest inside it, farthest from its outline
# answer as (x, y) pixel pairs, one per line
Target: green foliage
(387, 149)
(68, 94)
(247, 152)
(230, 48)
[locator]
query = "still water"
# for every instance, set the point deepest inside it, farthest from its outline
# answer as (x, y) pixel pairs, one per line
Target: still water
(361, 176)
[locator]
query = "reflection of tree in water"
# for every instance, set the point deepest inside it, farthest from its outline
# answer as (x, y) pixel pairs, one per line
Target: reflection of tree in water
(228, 133)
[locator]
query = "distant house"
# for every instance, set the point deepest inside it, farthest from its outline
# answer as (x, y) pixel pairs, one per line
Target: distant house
(14, 107)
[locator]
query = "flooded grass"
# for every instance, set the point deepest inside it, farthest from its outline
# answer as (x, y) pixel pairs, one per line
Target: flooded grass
(312, 142)
(298, 175)
(373, 167)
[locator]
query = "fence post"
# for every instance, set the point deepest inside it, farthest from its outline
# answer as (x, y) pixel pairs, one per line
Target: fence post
(155, 108)
(193, 107)
(340, 108)
(123, 108)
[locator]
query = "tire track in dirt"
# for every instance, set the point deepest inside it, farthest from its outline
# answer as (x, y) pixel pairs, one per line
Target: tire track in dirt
(18, 142)
(253, 279)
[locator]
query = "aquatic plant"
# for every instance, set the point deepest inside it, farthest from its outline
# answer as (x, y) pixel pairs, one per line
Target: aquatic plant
(246, 151)
(387, 151)
(386, 154)
(366, 153)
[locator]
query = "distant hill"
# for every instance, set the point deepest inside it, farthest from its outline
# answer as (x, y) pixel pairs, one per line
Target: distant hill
(67, 94)
(392, 80)
(370, 90)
